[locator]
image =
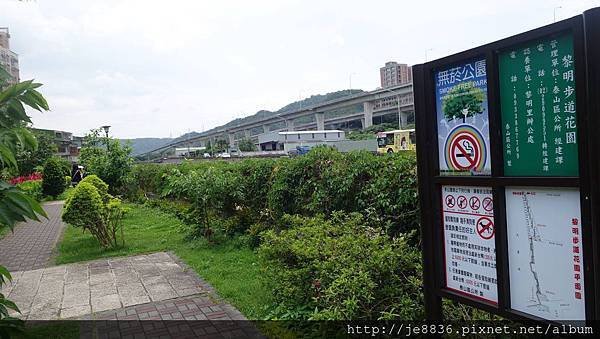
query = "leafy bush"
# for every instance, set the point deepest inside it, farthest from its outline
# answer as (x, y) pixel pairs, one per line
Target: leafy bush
(32, 188)
(95, 212)
(341, 269)
(53, 182)
(262, 190)
(100, 185)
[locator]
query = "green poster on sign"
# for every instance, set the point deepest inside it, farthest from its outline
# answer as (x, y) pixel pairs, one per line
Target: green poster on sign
(537, 103)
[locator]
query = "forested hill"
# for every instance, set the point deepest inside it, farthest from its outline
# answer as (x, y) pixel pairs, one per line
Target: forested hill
(142, 145)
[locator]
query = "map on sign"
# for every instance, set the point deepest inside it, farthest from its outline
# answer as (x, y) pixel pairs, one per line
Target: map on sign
(545, 252)
(462, 114)
(469, 244)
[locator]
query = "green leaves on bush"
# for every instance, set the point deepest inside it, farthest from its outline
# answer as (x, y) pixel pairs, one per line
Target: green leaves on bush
(32, 188)
(94, 211)
(341, 269)
(100, 185)
(53, 177)
(383, 188)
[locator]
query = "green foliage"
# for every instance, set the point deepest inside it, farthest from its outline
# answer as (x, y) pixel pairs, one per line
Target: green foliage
(462, 101)
(33, 189)
(108, 159)
(15, 205)
(53, 182)
(84, 208)
(100, 185)
(93, 210)
(247, 145)
(371, 132)
(28, 160)
(341, 269)
(261, 190)
(8, 324)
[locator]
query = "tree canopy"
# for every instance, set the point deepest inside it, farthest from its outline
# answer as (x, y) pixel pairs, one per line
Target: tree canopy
(462, 101)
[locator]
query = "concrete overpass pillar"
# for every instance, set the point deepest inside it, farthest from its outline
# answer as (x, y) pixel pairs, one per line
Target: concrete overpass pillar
(247, 134)
(231, 138)
(289, 124)
(320, 119)
(368, 111)
(265, 128)
(403, 119)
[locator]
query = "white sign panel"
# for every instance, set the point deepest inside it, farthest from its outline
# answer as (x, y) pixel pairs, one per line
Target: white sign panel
(545, 254)
(469, 241)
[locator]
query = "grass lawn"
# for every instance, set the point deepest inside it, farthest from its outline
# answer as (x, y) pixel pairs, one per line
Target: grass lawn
(230, 268)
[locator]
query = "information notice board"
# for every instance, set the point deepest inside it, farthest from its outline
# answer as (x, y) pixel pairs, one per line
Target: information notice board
(538, 106)
(469, 241)
(508, 175)
(462, 112)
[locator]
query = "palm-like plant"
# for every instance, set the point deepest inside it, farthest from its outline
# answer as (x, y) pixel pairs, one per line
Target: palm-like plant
(15, 206)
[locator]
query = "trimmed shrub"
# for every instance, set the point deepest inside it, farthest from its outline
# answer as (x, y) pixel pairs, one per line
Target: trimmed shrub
(53, 182)
(100, 185)
(97, 213)
(341, 269)
(85, 209)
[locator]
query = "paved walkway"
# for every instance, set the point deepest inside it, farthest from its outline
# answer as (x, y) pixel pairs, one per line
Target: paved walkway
(79, 289)
(30, 246)
(157, 287)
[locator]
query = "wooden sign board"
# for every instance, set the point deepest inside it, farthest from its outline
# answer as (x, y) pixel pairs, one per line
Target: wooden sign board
(509, 142)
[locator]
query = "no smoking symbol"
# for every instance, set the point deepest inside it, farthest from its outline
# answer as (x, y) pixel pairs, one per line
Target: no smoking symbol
(485, 228)
(450, 202)
(474, 203)
(462, 202)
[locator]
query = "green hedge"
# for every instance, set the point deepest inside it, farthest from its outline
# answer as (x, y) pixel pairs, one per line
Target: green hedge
(382, 188)
(341, 268)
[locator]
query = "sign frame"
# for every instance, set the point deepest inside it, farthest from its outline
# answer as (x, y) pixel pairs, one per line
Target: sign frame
(585, 30)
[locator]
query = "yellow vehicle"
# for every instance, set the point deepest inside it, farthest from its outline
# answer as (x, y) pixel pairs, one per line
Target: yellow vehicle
(395, 141)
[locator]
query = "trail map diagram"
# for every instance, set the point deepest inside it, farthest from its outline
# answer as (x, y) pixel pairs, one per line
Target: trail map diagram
(543, 231)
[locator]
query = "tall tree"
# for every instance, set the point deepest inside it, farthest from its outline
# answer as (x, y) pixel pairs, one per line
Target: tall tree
(107, 158)
(28, 160)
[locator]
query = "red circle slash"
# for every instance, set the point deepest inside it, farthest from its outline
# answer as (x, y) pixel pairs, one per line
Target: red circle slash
(488, 204)
(462, 202)
(466, 147)
(474, 203)
(485, 228)
(450, 201)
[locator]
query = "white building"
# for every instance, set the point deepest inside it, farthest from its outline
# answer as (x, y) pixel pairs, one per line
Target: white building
(188, 151)
(290, 140)
(9, 60)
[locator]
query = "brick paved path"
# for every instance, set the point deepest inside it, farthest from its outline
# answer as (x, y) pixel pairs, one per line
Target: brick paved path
(30, 246)
(198, 316)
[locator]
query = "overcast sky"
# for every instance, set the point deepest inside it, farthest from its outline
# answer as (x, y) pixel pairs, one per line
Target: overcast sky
(162, 68)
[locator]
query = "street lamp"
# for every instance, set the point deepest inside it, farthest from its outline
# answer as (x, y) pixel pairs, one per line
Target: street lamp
(350, 79)
(427, 50)
(106, 128)
(398, 101)
(555, 8)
